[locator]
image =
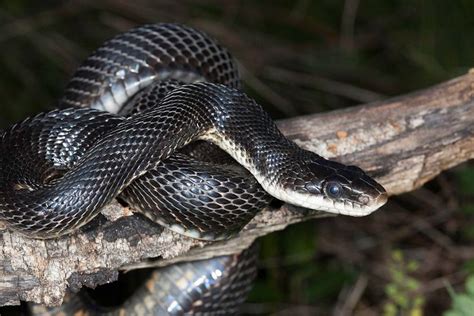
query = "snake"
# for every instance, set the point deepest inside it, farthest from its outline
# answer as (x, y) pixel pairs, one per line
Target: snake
(156, 118)
(215, 286)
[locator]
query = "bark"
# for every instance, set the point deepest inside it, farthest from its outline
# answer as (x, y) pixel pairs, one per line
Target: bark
(403, 142)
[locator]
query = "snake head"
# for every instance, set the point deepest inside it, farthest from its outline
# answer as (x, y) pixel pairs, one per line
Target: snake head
(332, 187)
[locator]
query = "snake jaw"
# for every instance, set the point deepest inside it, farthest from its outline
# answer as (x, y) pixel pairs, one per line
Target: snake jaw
(323, 203)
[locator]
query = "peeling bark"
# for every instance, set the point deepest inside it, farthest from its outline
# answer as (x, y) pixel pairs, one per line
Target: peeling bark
(403, 142)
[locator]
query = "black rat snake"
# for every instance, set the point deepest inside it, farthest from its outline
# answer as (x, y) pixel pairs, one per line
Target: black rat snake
(177, 88)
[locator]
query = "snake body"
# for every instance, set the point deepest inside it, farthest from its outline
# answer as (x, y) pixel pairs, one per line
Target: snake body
(178, 86)
(207, 287)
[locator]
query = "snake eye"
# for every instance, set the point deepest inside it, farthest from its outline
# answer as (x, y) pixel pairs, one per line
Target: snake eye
(333, 190)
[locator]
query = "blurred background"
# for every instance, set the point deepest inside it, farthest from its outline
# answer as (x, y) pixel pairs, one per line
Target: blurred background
(414, 256)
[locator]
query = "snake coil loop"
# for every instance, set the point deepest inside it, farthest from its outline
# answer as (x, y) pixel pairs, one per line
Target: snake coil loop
(133, 113)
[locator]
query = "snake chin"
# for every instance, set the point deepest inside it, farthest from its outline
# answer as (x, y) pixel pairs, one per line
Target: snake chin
(340, 206)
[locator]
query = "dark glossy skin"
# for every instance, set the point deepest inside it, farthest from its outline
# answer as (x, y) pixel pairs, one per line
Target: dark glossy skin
(130, 147)
(60, 168)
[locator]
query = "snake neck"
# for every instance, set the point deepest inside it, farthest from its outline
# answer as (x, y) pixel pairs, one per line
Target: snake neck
(239, 126)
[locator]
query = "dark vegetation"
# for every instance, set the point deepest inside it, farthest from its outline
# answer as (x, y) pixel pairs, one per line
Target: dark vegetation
(298, 57)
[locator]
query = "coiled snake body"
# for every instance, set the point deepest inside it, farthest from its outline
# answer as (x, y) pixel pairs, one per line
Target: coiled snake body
(177, 86)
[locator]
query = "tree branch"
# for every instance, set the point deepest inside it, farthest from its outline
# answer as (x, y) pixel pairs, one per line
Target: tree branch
(403, 142)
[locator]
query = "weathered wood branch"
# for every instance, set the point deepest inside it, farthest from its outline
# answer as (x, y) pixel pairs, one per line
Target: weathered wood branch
(403, 142)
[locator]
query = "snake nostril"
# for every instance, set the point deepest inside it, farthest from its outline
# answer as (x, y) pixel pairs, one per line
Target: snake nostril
(364, 199)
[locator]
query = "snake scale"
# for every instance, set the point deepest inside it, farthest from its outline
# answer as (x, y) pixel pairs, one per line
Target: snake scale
(144, 119)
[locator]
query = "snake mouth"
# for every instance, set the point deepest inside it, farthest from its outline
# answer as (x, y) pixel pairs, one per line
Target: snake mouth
(340, 206)
(356, 209)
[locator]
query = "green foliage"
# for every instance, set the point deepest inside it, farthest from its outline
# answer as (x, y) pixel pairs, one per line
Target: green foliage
(469, 266)
(291, 274)
(465, 180)
(401, 291)
(463, 303)
(465, 177)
